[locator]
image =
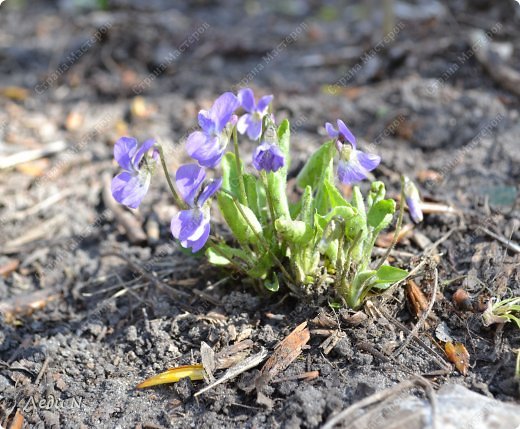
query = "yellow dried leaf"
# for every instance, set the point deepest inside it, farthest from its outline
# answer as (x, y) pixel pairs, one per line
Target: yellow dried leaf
(172, 375)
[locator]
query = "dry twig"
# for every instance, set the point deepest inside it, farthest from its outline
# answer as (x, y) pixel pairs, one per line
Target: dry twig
(348, 415)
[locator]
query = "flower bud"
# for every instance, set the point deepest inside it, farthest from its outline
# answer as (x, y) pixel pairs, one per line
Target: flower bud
(413, 200)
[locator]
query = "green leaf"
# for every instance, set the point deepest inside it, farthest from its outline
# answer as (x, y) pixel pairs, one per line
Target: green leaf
(334, 196)
(353, 227)
(263, 266)
(272, 285)
(312, 172)
(229, 174)
(357, 202)
(360, 286)
(245, 229)
(253, 199)
(222, 254)
(388, 275)
(277, 181)
(381, 214)
(307, 213)
(377, 193)
(295, 232)
(216, 258)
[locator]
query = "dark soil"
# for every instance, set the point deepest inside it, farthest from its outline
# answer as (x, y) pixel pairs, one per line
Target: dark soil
(102, 327)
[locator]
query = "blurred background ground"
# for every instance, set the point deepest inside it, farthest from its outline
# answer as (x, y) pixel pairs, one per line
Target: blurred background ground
(74, 76)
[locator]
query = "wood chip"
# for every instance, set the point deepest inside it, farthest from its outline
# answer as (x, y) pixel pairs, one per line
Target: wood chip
(284, 354)
(208, 360)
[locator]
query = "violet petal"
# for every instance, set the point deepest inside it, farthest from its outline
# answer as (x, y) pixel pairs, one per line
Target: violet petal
(189, 178)
(124, 150)
(247, 99)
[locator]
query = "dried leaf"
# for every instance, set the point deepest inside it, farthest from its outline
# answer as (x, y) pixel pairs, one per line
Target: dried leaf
(458, 355)
(10, 266)
(172, 375)
(288, 350)
(385, 240)
(429, 176)
(323, 320)
(23, 305)
(74, 121)
(15, 93)
(17, 422)
(34, 168)
(462, 300)
(416, 298)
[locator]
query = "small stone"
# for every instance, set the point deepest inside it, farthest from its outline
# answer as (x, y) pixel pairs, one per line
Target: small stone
(184, 388)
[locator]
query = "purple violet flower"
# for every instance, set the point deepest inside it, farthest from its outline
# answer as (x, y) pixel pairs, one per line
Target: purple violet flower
(413, 200)
(251, 122)
(191, 227)
(268, 157)
(354, 164)
(208, 146)
(130, 186)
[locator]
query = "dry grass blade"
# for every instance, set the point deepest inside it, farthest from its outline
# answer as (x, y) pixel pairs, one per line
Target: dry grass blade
(237, 369)
(31, 155)
(351, 414)
(504, 75)
(40, 231)
(506, 242)
(284, 353)
(438, 208)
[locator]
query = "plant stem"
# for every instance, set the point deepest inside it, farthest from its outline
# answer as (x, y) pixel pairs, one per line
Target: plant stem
(180, 203)
(270, 203)
(397, 227)
(242, 197)
(260, 238)
(339, 266)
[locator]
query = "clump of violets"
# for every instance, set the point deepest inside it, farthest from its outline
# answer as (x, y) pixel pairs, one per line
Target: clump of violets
(274, 241)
